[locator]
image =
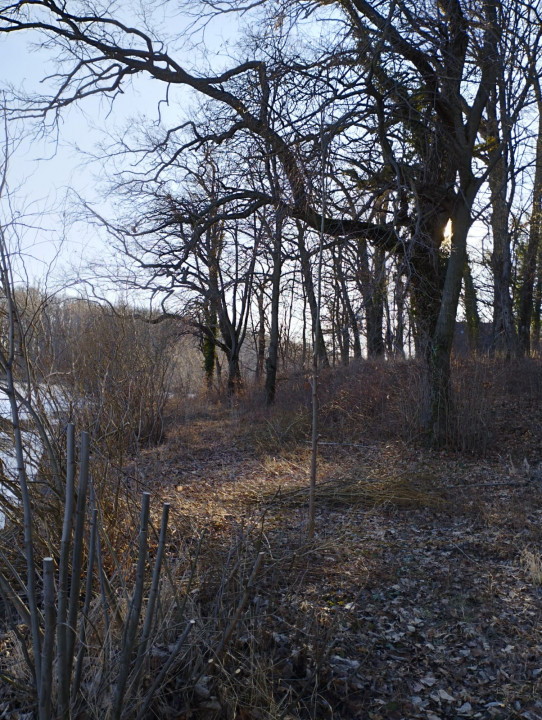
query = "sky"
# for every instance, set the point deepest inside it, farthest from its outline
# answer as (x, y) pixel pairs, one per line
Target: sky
(47, 173)
(44, 170)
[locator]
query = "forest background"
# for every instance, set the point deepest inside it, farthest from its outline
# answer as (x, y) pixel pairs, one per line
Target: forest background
(336, 206)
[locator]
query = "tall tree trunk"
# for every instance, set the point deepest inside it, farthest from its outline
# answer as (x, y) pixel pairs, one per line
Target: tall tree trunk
(260, 360)
(435, 287)
(234, 370)
(308, 283)
(527, 287)
(230, 344)
(285, 333)
(340, 324)
(504, 332)
(425, 293)
(304, 330)
(209, 342)
(352, 321)
(442, 340)
(273, 349)
(399, 294)
(333, 334)
(537, 303)
(375, 311)
(208, 345)
(471, 309)
(370, 286)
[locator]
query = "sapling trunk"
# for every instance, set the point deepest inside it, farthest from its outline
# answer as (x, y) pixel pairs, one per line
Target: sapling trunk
(88, 594)
(134, 611)
(63, 575)
(49, 617)
(153, 593)
(77, 553)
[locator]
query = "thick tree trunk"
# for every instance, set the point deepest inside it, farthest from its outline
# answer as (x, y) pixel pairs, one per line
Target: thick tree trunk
(443, 335)
(234, 371)
(372, 291)
(435, 285)
(232, 348)
(425, 294)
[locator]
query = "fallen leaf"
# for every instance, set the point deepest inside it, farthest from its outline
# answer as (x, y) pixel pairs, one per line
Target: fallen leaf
(428, 680)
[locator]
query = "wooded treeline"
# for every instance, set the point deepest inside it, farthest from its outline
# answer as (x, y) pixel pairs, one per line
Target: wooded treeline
(378, 133)
(105, 365)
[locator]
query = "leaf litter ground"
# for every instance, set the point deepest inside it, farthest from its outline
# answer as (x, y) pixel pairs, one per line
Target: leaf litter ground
(421, 596)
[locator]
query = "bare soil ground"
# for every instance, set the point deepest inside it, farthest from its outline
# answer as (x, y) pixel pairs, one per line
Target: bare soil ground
(421, 596)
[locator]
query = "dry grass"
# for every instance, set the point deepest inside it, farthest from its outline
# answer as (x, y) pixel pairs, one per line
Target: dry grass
(378, 401)
(532, 562)
(353, 492)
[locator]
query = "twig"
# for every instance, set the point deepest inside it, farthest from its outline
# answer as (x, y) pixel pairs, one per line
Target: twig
(465, 554)
(169, 662)
(341, 444)
(511, 483)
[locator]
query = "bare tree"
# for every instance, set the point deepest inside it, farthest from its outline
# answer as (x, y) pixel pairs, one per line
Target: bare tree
(529, 296)
(406, 88)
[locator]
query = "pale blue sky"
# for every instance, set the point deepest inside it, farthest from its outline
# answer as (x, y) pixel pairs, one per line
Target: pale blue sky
(44, 170)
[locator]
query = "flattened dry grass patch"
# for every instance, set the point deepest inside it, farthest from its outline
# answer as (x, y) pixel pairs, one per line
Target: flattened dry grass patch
(224, 492)
(368, 493)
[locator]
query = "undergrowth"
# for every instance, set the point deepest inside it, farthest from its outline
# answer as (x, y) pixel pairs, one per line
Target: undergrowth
(378, 400)
(239, 577)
